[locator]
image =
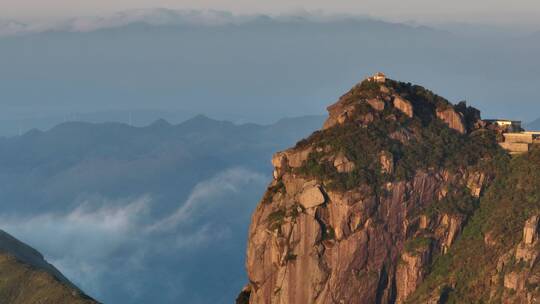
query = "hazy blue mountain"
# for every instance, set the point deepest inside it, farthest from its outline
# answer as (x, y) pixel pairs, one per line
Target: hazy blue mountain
(255, 68)
(154, 214)
(534, 125)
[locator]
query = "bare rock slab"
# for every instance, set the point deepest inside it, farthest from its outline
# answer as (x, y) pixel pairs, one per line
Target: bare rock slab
(311, 197)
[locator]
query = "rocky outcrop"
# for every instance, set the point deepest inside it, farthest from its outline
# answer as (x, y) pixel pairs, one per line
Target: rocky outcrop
(376, 104)
(331, 230)
(387, 162)
(516, 269)
(343, 165)
(311, 196)
(530, 230)
(347, 248)
(339, 113)
(403, 105)
(411, 271)
(448, 228)
(527, 250)
(495, 260)
(291, 158)
(453, 119)
(475, 182)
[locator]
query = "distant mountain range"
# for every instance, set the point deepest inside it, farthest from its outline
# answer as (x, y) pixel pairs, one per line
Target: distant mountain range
(146, 16)
(245, 68)
(534, 125)
(166, 205)
(161, 17)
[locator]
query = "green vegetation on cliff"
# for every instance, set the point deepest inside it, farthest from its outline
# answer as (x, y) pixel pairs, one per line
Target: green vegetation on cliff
(468, 272)
(421, 142)
(406, 198)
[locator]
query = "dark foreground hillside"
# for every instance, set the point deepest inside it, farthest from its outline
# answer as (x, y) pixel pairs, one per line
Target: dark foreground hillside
(25, 277)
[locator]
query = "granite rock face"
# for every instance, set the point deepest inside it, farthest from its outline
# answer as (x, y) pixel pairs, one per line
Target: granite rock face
(516, 269)
(530, 230)
(346, 249)
(403, 105)
(453, 119)
(355, 223)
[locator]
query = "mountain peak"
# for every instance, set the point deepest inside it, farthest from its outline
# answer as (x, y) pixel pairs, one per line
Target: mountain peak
(364, 205)
(160, 123)
(378, 97)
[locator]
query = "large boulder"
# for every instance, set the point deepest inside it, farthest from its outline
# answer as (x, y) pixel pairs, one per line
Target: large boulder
(311, 196)
(376, 104)
(292, 158)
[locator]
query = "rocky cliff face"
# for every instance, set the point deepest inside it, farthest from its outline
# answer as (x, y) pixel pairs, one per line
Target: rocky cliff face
(25, 277)
(496, 258)
(359, 211)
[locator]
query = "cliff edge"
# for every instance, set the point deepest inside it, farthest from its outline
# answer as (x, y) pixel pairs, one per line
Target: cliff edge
(361, 210)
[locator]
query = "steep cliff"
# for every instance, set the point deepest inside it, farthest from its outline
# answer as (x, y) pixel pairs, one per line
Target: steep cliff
(359, 211)
(25, 277)
(496, 259)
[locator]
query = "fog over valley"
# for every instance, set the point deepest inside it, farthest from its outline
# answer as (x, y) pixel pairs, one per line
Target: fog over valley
(143, 202)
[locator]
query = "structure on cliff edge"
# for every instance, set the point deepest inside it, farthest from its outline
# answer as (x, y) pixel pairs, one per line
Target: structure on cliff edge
(378, 77)
(357, 212)
(514, 139)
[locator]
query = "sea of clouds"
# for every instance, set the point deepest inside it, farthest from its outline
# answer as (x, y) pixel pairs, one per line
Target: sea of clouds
(120, 240)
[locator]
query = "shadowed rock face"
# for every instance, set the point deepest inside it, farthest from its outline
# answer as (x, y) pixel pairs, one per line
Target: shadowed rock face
(453, 119)
(25, 277)
(350, 218)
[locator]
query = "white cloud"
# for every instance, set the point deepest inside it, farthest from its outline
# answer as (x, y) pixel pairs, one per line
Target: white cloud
(86, 243)
(148, 16)
(157, 17)
(82, 227)
(229, 181)
(80, 242)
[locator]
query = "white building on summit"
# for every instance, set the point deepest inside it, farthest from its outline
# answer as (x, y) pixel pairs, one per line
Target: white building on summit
(509, 125)
(379, 77)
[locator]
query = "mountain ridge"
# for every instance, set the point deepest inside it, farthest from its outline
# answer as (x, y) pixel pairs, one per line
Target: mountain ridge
(533, 125)
(178, 18)
(27, 277)
(380, 204)
(84, 194)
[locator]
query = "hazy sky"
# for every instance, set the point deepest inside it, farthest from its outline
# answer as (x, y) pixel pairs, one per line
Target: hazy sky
(516, 12)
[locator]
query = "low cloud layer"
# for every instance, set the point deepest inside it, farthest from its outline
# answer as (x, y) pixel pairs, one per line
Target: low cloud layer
(121, 239)
(159, 17)
(230, 181)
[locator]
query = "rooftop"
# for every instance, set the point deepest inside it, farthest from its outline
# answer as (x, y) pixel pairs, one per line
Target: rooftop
(501, 120)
